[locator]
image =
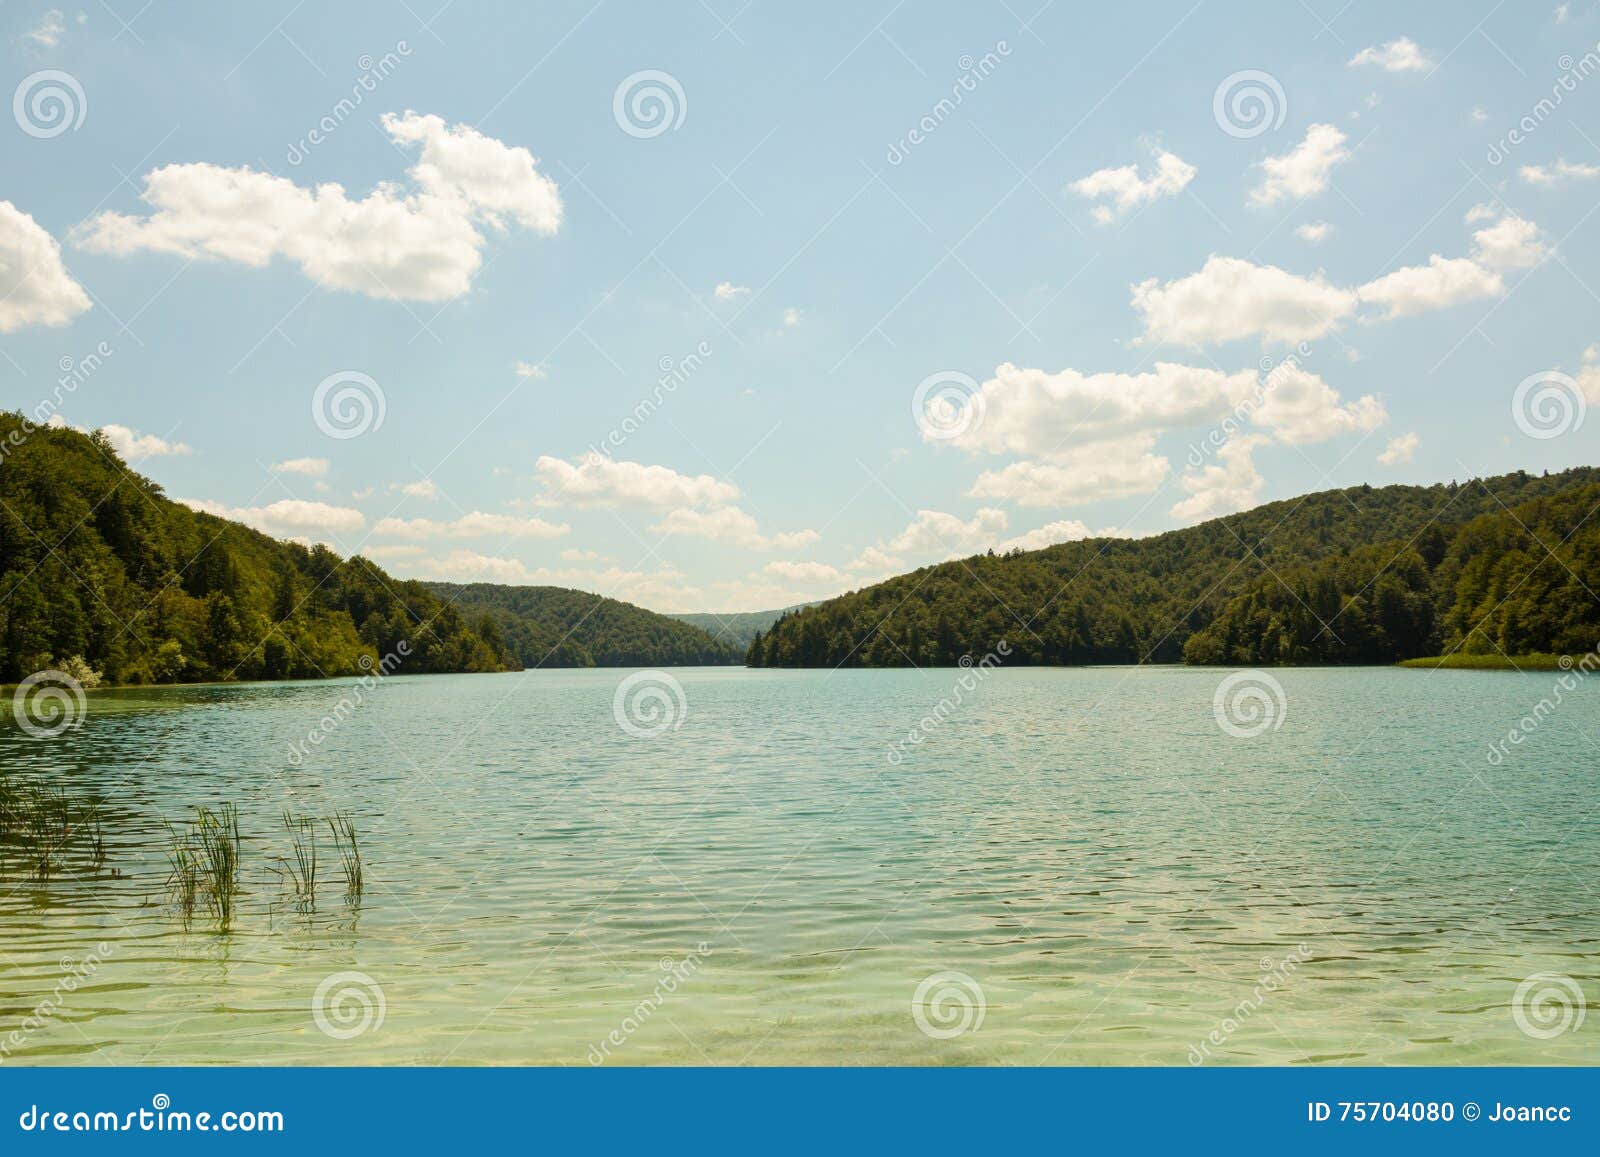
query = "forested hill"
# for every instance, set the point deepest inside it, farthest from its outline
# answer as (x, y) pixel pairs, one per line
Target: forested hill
(557, 627)
(1361, 575)
(97, 565)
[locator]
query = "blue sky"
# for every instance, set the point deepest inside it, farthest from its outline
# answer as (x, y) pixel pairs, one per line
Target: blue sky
(1129, 301)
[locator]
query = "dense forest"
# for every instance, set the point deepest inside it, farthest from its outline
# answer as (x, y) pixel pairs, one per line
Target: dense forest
(102, 574)
(557, 627)
(1362, 575)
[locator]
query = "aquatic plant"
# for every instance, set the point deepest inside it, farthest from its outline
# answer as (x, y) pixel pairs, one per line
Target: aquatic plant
(301, 868)
(344, 838)
(42, 827)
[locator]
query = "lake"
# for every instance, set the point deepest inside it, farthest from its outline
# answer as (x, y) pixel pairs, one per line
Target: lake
(726, 866)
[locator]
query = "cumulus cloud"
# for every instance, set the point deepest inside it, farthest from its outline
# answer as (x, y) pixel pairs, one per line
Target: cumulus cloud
(1443, 282)
(1231, 298)
(728, 291)
(290, 517)
(1127, 189)
(791, 317)
(133, 445)
(1561, 172)
(1402, 55)
(1399, 450)
(804, 572)
(425, 244)
(934, 531)
(730, 524)
(601, 481)
(35, 287)
(1067, 530)
(475, 524)
(1510, 243)
(662, 589)
(1230, 484)
(1095, 473)
(1315, 232)
(529, 370)
(311, 467)
(1300, 408)
(422, 488)
(1304, 170)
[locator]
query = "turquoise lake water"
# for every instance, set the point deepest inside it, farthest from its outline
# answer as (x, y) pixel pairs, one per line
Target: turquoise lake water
(758, 867)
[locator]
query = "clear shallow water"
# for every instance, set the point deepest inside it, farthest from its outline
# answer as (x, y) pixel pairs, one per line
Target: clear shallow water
(1109, 868)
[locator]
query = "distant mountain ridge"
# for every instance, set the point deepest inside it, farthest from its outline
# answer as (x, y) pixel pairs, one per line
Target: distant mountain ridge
(1357, 575)
(559, 627)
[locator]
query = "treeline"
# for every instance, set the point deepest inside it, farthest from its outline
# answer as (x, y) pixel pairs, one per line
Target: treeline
(558, 627)
(1360, 575)
(97, 564)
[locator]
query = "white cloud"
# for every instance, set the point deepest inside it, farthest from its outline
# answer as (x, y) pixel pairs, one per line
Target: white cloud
(1399, 450)
(133, 445)
(1300, 408)
(728, 291)
(422, 245)
(600, 481)
(1069, 530)
(1560, 13)
(1483, 212)
(934, 531)
(422, 488)
(1560, 172)
(1304, 170)
(1095, 473)
(476, 524)
(1589, 375)
(791, 317)
(47, 33)
(805, 572)
(1313, 231)
(1231, 298)
(287, 516)
(1232, 483)
(1479, 116)
(311, 467)
(661, 589)
(35, 288)
(572, 554)
(1400, 55)
(1441, 283)
(1128, 190)
(1510, 243)
(529, 370)
(730, 524)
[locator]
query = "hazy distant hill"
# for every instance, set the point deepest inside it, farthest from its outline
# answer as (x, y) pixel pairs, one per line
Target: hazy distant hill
(1360, 575)
(557, 627)
(739, 628)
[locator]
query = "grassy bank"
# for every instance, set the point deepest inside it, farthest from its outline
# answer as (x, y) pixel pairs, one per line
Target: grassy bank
(1493, 662)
